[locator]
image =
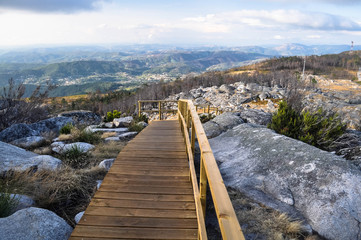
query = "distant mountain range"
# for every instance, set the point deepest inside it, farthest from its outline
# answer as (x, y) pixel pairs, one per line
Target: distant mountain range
(105, 68)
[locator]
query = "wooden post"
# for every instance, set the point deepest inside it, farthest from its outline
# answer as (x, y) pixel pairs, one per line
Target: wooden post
(139, 106)
(203, 186)
(160, 110)
(193, 138)
(208, 109)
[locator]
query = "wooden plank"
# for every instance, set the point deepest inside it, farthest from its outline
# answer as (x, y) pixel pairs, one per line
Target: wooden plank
(144, 196)
(134, 233)
(153, 153)
(125, 168)
(100, 202)
(136, 212)
(145, 189)
(186, 223)
(135, 176)
(140, 182)
(151, 162)
(150, 173)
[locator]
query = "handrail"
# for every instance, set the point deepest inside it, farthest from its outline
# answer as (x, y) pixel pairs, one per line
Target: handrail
(209, 173)
(160, 110)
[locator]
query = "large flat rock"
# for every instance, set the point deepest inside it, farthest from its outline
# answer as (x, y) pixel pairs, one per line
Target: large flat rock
(292, 176)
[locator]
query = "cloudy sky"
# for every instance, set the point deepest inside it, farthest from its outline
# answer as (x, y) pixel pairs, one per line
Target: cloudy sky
(211, 22)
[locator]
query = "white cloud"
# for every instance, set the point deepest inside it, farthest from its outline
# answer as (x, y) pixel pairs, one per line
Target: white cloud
(313, 37)
(277, 19)
(278, 37)
(65, 6)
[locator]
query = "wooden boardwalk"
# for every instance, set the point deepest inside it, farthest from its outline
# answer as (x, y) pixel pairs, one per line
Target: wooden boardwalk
(147, 194)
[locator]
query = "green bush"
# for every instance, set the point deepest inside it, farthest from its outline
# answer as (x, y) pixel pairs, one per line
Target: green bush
(75, 157)
(320, 130)
(111, 115)
(141, 118)
(87, 136)
(286, 121)
(66, 129)
(135, 127)
(7, 203)
(316, 128)
(206, 117)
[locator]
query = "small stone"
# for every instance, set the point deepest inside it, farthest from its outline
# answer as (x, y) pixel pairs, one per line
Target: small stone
(106, 163)
(78, 217)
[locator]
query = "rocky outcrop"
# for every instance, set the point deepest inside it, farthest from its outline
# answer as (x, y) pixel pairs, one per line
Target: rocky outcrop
(293, 177)
(23, 201)
(221, 123)
(15, 158)
(256, 116)
(106, 163)
(34, 223)
(123, 122)
(231, 97)
(82, 117)
(29, 142)
(60, 147)
(21, 130)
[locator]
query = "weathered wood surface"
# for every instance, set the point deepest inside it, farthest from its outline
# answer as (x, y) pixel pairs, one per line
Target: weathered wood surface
(147, 193)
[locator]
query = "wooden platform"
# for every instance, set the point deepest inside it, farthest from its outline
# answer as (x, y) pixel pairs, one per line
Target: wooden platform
(147, 193)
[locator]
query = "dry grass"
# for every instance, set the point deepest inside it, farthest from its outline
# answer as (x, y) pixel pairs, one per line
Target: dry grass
(108, 134)
(65, 191)
(107, 150)
(65, 137)
(264, 221)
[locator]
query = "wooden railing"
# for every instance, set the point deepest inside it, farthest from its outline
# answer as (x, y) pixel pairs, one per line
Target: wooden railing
(159, 106)
(208, 109)
(209, 174)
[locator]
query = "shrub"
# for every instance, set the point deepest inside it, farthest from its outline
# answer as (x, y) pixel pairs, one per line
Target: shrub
(320, 130)
(111, 115)
(206, 117)
(16, 109)
(8, 202)
(75, 157)
(316, 128)
(135, 127)
(66, 129)
(286, 121)
(86, 136)
(141, 118)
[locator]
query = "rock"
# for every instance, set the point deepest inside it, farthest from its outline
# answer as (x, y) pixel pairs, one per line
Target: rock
(60, 147)
(123, 122)
(21, 130)
(78, 217)
(23, 201)
(127, 136)
(106, 163)
(108, 125)
(292, 177)
(221, 123)
(226, 89)
(228, 120)
(212, 129)
(112, 139)
(94, 128)
(34, 223)
(29, 142)
(142, 124)
(82, 117)
(99, 182)
(256, 116)
(15, 158)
